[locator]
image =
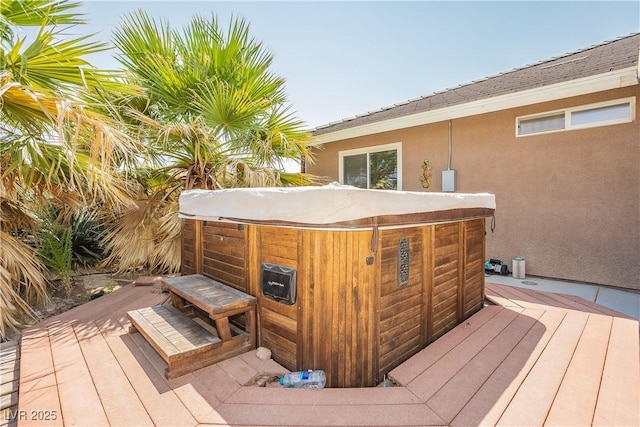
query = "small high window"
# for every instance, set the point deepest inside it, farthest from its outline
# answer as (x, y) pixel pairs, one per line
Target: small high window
(541, 124)
(586, 116)
(372, 167)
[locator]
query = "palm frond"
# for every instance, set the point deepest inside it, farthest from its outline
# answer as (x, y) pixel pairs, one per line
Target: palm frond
(51, 62)
(35, 12)
(214, 116)
(147, 235)
(22, 284)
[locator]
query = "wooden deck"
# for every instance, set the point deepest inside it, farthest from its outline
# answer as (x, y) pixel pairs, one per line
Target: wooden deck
(533, 359)
(9, 377)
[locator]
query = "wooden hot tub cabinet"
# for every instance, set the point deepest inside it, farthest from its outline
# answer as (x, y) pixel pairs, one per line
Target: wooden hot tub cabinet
(357, 314)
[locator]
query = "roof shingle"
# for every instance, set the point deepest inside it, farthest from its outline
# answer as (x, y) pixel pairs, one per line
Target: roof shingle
(609, 56)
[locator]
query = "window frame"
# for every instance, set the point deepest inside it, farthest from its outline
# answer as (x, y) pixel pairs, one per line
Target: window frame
(567, 112)
(368, 150)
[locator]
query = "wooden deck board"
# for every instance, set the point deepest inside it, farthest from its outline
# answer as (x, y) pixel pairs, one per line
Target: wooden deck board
(546, 375)
(597, 308)
(520, 298)
(619, 392)
(198, 400)
(110, 305)
(544, 359)
(567, 302)
(454, 395)
(38, 390)
(493, 397)
(495, 296)
(430, 381)
(9, 383)
(420, 362)
(576, 399)
(79, 399)
(9, 370)
(121, 404)
(160, 402)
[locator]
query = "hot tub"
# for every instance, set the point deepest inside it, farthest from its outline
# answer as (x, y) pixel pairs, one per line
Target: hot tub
(348, 280)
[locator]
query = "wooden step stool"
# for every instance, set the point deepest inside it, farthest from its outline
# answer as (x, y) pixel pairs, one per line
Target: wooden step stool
(178, 339)
(183, 343)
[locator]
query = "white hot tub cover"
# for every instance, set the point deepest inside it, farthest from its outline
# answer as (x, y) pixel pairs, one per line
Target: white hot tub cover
(321, 205)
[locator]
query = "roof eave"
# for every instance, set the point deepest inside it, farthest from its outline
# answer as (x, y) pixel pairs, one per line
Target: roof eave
(583, 86)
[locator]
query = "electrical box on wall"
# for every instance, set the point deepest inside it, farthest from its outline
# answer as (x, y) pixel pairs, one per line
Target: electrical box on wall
(449, 180)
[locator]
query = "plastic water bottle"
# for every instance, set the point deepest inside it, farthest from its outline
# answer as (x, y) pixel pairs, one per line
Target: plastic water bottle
(304, 379)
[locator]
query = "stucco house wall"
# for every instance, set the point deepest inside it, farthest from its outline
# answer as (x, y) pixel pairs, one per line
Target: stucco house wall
(568, 202)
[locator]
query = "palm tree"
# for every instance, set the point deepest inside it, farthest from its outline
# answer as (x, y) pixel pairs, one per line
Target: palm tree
(212, 114)
(59, 144)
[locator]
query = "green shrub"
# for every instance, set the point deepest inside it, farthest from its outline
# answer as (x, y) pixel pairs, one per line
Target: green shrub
(87, 236)
(55, 252)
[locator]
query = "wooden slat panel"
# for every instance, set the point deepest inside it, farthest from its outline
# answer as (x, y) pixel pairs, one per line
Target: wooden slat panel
(279, 329)
(473, 268)
(408, 296)
(289, 311)
(224, 254)
(279, 324)
(473, 297)
(221, 275)
(406, 348)
(334, 310)
(278, 247)
(339, 307)
(397, 320)
(444, 291)
(222, 229)
(286, 350)
(370, 324)
(230, 247)
(342, 358)
(278, 244)
(188, 244)
(427, 283)
(444, 299)
(233, 266)
(285, 237)
(443, 324)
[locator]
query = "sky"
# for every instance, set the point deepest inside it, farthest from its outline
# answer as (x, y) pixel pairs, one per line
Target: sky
(342, 59)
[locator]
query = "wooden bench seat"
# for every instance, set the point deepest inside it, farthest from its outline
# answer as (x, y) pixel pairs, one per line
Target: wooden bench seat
(217, 301)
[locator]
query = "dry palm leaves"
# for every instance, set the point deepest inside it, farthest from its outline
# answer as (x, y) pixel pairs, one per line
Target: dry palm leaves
(22, 284)
(147, 235)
